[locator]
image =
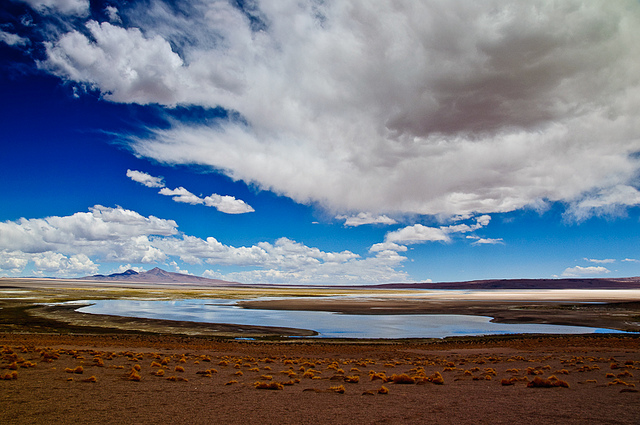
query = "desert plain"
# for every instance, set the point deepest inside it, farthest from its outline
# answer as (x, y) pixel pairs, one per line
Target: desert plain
(62, 366)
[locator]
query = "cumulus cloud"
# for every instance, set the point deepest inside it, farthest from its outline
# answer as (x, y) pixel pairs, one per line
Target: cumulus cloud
(145, 178)
(578, 271)
(414, 107)
(419, 233)
(223, 203)
(387, 246)
(77, 244)
(124, 267)
(181, 194)
(227, 204)
(365, 218)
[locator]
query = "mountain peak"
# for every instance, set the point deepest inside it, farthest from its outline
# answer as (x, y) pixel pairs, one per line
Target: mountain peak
(157, 271)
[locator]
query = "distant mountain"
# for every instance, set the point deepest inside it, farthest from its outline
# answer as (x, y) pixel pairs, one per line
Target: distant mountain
(155, 275)
(573, 283)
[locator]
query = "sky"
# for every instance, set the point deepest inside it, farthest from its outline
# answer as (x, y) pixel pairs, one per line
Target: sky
(320, 142)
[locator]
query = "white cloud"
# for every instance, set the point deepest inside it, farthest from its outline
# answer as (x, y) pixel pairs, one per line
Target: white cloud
(56, 264)
(578, 271)
(610, 201)
(416, 107)
(181, 194)
(109, 233)
(112, 13)
(378, 269)
(124, 267)
(66, 7)
(228, 204)
(387, 246)
(488, 241)
(631, 260)
(417, 234)
(12, 39)
(223, 203)
(77, 244)
(365, 218)
(145, 178)
(605, 261)
(13, 262)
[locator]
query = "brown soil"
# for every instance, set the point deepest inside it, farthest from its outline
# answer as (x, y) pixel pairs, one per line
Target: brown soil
(594, 367)
(321, 381)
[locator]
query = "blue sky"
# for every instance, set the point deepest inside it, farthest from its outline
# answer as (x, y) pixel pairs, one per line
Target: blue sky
(320, 142)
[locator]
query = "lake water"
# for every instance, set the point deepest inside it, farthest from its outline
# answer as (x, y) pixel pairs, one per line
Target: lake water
(327, 324)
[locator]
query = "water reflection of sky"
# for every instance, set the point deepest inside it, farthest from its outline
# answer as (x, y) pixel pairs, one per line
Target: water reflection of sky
(329, 325)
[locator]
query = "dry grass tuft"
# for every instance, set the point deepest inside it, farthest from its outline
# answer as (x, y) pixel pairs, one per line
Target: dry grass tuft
(403, 378)
(10, 376)
(352, 379)
(177, 379)
(159, 372)
(134, 375)
(619, 381)
(381, 376)
(436, 378)
(90, 379)
(383, 390)
(510, 381)
(179, 369)
(232, 382)
(338, 389)
(269, 386)
(539, 382)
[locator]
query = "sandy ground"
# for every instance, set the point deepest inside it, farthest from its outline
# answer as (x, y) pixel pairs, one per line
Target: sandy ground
(601, 374)
(152, 372)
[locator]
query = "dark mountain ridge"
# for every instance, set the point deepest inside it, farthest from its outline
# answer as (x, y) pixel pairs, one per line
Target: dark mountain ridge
(156, 275)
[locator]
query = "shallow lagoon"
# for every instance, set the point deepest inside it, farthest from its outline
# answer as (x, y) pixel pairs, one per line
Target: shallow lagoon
(327, 324)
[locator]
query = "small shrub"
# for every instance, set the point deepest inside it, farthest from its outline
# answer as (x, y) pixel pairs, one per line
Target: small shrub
(268, 386)
(134, 376)
(338, 389)
(436, 378)
(402, 379)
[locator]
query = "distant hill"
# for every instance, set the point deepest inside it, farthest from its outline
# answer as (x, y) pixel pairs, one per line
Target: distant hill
(155, 275)
(574, 283)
